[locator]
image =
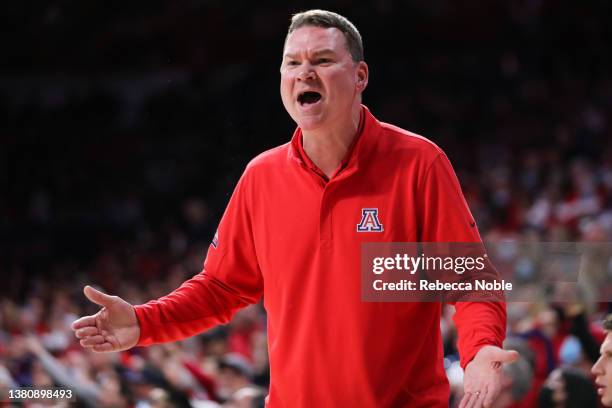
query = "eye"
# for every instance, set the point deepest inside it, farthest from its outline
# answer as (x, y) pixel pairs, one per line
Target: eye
(292, 63)
(324, 61)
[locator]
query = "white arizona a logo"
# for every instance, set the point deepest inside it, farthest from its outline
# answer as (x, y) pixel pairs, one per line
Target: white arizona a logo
(369, 221)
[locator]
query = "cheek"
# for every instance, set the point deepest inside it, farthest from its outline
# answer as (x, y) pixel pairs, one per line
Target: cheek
(284, 83)
(286, 86)
(342, 82)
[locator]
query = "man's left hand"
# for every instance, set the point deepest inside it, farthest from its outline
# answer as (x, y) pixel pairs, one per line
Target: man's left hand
(482, 377)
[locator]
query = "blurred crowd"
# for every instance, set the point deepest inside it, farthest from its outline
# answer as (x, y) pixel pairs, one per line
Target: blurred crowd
(126, 126)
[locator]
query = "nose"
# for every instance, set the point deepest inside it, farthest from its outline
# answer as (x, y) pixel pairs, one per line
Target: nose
(595, 369)
(307, 73)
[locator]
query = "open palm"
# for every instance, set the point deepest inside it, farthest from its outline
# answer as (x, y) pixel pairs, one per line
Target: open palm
(113, 328)
(482, 377)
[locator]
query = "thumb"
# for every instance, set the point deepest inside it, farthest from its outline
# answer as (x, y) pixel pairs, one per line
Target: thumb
(98, 297)
(506, 356)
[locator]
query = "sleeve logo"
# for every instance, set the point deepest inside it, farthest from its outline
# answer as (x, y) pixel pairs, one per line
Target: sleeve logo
(369, 221)
(215, 240)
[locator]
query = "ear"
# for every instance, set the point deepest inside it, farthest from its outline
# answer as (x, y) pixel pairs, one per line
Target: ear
(362, 74)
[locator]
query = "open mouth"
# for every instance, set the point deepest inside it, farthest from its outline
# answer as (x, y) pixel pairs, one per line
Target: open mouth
(309, 98)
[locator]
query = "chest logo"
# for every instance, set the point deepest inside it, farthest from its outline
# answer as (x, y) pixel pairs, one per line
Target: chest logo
(369, 221)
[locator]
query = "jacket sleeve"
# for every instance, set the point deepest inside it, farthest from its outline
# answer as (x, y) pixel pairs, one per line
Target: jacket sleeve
(231, 279)
(445, 217)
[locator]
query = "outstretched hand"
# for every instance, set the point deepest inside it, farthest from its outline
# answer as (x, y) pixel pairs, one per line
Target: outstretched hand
(113, 328)
(482, 377)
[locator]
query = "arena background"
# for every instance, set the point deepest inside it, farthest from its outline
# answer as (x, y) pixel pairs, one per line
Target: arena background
(125, 126)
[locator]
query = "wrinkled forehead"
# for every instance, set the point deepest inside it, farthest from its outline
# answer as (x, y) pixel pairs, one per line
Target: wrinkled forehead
(310, 39)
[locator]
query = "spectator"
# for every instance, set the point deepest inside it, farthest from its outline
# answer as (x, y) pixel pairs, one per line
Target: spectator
(568, 388)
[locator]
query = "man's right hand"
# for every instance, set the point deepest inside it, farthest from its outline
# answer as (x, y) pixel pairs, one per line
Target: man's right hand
(113, 328)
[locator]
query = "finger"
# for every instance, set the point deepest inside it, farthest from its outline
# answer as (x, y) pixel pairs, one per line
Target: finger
(92, 341)
(462, 402)
(477, 399)
(84, 321)
(471, 400)
(477, 402)
(466, 401)
(505, 356)
(490, 396)
(474, 401)
(98, 297)
(482, 397)
(86, 332)
(511, 356)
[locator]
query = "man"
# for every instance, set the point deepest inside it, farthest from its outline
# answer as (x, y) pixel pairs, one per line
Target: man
(602, 369)
(292, 232)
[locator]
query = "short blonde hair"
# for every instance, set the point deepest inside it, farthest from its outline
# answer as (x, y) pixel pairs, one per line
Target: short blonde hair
(329, 19)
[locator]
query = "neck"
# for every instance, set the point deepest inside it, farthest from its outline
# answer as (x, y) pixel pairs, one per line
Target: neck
(328, 146)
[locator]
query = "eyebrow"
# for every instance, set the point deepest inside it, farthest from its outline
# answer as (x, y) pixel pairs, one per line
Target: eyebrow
(316, 53)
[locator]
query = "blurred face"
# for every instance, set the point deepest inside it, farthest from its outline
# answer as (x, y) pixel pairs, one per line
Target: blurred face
(603, 372)
(557, 385)
(229, 382)
(320, 82)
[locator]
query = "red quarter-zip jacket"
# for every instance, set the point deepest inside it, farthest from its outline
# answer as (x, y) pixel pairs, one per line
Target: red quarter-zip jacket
(290, 235)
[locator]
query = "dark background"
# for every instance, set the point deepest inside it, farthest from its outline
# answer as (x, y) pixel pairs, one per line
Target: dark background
(125, 126)
(114, 114)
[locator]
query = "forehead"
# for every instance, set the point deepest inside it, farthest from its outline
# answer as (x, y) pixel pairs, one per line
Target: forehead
(310, 39)
(606, 347)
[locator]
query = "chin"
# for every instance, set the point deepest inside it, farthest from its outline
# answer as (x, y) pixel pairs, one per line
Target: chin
(307, 124)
